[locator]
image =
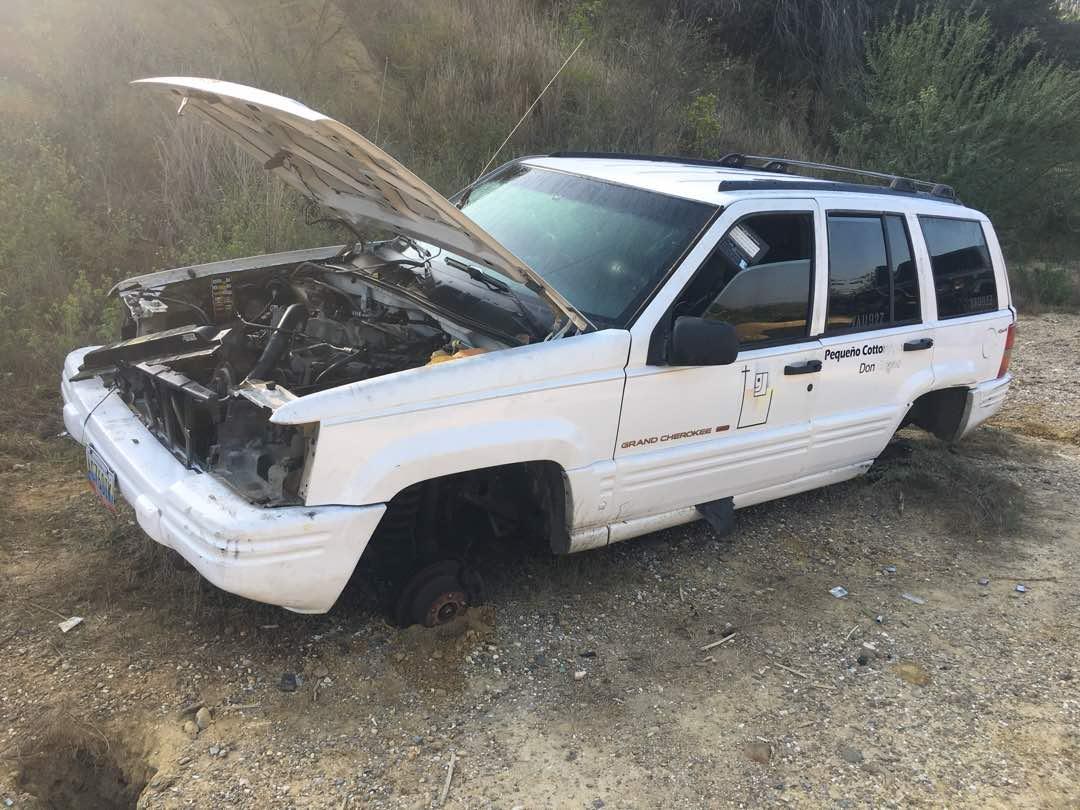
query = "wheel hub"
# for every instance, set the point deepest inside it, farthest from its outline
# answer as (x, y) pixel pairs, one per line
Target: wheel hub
(445, 607)
(438, 594)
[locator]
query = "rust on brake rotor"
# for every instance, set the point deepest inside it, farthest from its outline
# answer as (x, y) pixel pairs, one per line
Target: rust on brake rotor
(445, 607)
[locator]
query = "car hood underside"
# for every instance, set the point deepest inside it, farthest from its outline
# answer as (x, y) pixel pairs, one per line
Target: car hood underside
(347, 175)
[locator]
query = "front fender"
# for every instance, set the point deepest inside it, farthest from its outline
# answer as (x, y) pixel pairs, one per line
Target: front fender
(406, 455)
(554, 402)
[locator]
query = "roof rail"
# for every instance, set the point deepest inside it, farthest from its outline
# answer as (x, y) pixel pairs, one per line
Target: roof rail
(780, 165)
(812, 184)
(685, 161)
(895, 182)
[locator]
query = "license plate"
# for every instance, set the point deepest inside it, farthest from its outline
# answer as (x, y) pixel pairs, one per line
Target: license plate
(102, 478)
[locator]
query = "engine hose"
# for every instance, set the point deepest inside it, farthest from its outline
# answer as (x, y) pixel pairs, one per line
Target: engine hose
(294, 315)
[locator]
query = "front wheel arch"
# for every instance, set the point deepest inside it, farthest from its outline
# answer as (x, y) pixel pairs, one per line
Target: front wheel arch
(529, 497)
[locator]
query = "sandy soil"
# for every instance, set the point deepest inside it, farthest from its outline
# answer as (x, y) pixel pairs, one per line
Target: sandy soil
(1045, 398)
(967, 698)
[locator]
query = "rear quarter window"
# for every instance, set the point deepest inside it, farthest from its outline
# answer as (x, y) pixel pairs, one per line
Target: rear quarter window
(960, 260)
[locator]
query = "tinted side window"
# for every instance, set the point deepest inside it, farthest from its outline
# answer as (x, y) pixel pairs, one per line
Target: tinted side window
(905, 275)
(758, 279)
(859, 282)
(960, 260)
(873, 281)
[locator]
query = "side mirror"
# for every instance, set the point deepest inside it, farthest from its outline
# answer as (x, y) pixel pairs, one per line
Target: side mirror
(701, 342)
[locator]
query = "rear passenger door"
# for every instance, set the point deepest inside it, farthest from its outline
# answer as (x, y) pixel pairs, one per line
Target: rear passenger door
(877, 342)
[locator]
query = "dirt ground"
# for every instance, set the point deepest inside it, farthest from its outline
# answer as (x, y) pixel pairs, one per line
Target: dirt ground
(587, 681)
(1045, 399)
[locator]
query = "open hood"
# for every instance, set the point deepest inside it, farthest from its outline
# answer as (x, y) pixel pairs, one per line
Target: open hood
(348, 175)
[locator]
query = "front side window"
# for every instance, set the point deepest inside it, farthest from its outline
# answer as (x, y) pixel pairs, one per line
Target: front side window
(960, 260)
(873, 283)
(605, 247)
(758, 279)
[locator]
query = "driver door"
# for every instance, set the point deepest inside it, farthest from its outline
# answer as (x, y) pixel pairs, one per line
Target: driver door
(690, 435)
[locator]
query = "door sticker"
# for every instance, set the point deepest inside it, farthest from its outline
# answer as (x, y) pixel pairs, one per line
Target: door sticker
(761, 383)
(757, 397)
(868, 358)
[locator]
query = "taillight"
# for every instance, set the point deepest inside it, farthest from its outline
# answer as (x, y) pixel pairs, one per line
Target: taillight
(1006, 356)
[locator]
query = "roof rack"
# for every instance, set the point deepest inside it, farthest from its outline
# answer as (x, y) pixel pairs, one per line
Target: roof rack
(810, 184)
(685, 161)
(779, 165)
(896, 182)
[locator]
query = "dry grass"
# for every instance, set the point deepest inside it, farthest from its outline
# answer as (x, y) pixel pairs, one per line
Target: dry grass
(1040, 429)
(58, 728)
(953, 480)
(101, 182)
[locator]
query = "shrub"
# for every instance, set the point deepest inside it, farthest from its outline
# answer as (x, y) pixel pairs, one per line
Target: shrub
(741, 113)
(942, 99)
(1039, 286)
(56, 257)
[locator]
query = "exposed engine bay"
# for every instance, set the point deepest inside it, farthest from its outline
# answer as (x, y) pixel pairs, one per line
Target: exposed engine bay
(206, 358)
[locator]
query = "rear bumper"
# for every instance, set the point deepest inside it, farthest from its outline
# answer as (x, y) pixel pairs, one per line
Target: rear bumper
(297, 557)
(983, 401)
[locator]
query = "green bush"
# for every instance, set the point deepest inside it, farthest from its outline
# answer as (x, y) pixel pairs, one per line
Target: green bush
(1040, 286)
(56, 257)
(741, 112)
(943, 99)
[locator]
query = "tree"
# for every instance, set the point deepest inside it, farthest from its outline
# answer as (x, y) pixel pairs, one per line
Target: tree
(942, 99)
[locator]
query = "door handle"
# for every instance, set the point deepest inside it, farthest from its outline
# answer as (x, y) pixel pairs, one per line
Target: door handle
(918, 345)
(809, 367)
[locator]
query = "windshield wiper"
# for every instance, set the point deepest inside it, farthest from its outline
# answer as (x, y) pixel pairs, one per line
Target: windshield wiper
(476, 274)
(535, 327)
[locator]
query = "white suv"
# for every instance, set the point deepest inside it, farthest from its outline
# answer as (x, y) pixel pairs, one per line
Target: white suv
(584, 347)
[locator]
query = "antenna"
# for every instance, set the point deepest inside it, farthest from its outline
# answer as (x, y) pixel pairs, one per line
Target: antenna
(382, 89)
(531, 106)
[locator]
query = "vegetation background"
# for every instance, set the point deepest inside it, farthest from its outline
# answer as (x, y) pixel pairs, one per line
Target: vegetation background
(99, 180)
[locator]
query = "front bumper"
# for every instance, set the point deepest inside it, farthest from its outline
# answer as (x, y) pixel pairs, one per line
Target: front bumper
(299, 557)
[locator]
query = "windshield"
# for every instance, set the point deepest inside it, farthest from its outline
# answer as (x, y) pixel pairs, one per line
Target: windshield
(605, 247)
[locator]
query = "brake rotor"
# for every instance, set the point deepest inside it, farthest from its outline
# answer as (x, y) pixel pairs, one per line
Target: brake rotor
(438, 594)
(444, 608)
